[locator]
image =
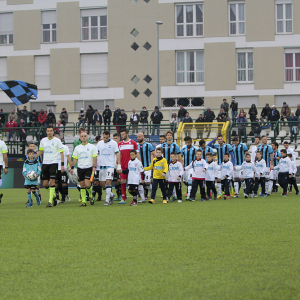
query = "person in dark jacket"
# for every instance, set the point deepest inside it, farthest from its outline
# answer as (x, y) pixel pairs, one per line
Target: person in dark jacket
(225, 106)
(187, 128)
(241, 124)
(144, 119)
(97, 121)
(22, 131)
(222, 116)
(181, 113)
(293, 123)
(209, 116)
(23, 113)
(134, 120)
(2, 118)
(33, 119)
(64, 117)
(234, 109)
(89, 117)
(265, 112)
(252, 113)
(116, 116)
(200, 128)
(122, 120)
(156, 118)
(51, 118)
(106, 116)
(273, 117)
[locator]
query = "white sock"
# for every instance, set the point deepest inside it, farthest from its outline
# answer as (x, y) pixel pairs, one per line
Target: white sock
(108, 194)
(149, 190)
(236, 187)
(244, 184)
(270, 186)
(219, 188)
(141, 192)
(174, 193)
(189, 190)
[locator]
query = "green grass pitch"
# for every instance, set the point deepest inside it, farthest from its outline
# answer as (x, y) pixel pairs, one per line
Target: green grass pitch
(235, 249)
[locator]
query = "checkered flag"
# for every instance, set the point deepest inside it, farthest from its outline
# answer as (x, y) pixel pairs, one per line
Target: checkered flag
(19, 92)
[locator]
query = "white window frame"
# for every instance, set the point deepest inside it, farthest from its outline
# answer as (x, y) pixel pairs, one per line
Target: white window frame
(52, 28)
(247, 69)
(186, 71)
(8, 34)
(236, 3)
(291, 51)
(89, 27)
(194, 23)
(284, 20)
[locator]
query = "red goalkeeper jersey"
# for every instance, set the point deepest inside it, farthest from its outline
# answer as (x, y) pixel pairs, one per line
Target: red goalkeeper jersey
(125, 148)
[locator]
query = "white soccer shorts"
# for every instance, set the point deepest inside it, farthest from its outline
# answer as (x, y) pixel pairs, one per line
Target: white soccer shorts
(274, 174)
(267, 173)
(147, 176)
(106, 174)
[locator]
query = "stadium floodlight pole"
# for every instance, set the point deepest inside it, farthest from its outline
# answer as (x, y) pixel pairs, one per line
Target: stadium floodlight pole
(158, 83)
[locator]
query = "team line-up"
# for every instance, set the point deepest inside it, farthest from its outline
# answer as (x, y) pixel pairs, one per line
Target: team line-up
(142, 168)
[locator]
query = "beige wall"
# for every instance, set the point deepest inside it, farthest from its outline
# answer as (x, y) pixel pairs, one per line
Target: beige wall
(124, 62)
(65, 71)
(215, 18)
(215, 102)
(68, 104)
(20, 68)
(266, 99)
(68, 22)
(166, 13)
(167, 67)
(296, 19)
(220, 66)
(13, 2)
(260, 20)
(27, 30)
(268, 68)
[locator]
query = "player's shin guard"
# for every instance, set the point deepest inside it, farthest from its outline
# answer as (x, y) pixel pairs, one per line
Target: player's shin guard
(236, 186)
(29, 198)
(142, 192)
(51, 194)
(90, 191)
(123, 191)
(108, 193)
(83, 194)
(219, 187)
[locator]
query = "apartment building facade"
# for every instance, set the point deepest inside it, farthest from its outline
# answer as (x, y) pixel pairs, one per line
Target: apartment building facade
(103, 52)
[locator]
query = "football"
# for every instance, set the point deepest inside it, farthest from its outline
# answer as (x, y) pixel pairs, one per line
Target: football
(31, 175)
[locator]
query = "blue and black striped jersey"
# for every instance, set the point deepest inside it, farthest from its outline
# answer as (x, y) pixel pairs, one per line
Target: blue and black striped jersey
(266, 151)
(221, 150)
(188, 154)
(205, 151)
(145, 150)
(276, 154)
(239, 153)
(168, 149)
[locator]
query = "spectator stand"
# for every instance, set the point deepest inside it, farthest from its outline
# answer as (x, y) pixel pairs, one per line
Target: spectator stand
(198, 131)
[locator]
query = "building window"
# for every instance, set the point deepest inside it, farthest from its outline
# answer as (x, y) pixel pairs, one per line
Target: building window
(49, 26)
(284, 18)
(190, 67)
(94, 70)
(237, 25)
(292, 65)
(245, 66)
(6, 28)
(187, 102)
(94, 24)
(42, 71)
(189, 20)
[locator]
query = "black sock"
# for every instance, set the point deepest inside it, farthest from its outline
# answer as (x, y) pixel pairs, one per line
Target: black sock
(118, 189)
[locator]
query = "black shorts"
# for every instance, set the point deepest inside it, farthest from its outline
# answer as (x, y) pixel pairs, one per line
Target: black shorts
(64, 177)
(116, 175)
(96, 175)
(84, 173)
(49, 171)
(1, 170)
(58, 177)
(33, 187)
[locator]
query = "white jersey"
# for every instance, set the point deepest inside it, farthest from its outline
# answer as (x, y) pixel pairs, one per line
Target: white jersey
(248, 169)
(260, 168)
(175, 171)
(226, 170)
(294, 168)
(211, 171)
(135, 169)
(284, 165)
(3, 149)
(52, 149)
(85, 154)
(66, 153)
(198, 167)
(253, 154)
(107, 153)
(289, 150)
